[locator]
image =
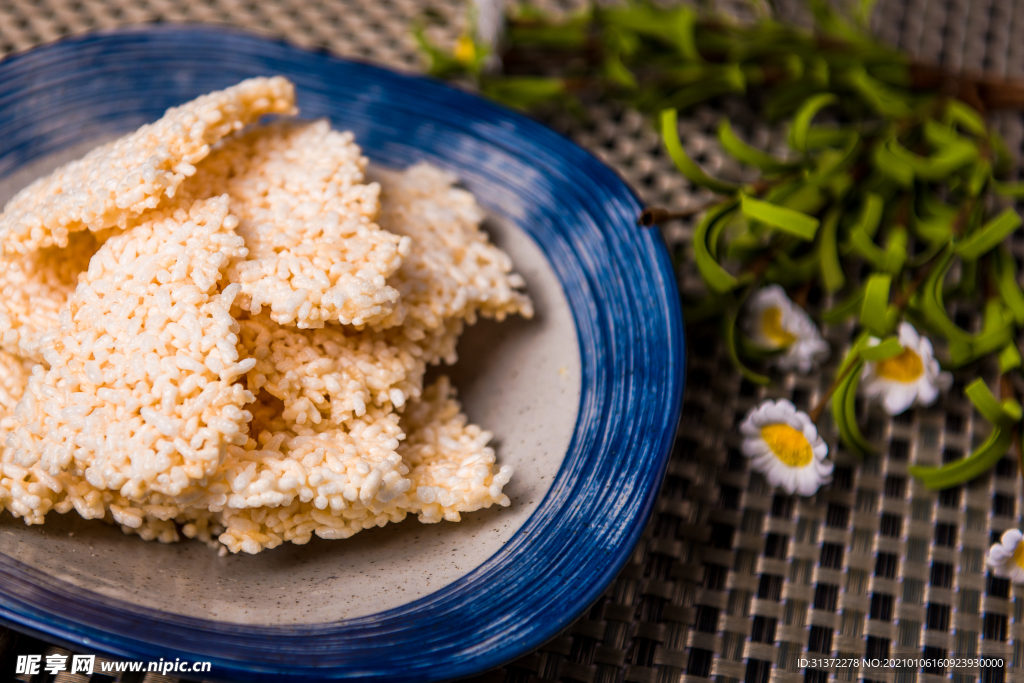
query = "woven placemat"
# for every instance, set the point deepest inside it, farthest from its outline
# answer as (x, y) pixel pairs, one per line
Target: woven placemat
(730, 581)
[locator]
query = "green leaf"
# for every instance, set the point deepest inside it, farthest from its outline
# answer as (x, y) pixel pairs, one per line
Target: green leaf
(844, 309)
(969, 468)
(1002, 414)
(996, 333)
(1009, 358)
(844, 403)
(832, 162)
(864, 10)
(939, 166)
(870, 214)
(996, 316)
(442, 63)
(674, 27)
(932, 306)
(967, 284)
(990, 235)
(864, 246)
(874, 312)
(691, 95)
(686, 165)
(1002, 160)
(887, 348)
(894, 256)
(966, 118)
(980, 174)
(617, 72)
(895, 250)
(787, 220)
(832, 276)
(729, 334)
(681, 27)
(715, 235)
(1015, 190)
(732, 144)
(523, 92)
(744, 246)
(790, 272)
(935, 226)
(883, 99)
(537, 30)
(819, 137)
(937, 134)
(926, 255)
(841, 184)
(891, 166)
(788, 97)
(804, 116)
(807, 199)
(717, 278)
(1005, 273)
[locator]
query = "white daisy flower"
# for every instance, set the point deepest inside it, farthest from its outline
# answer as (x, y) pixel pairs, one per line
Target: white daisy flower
(775, 322)
(1006, 558)
(784, 445)
(912, 376)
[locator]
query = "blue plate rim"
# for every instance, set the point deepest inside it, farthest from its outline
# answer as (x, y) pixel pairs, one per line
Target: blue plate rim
(16, 578)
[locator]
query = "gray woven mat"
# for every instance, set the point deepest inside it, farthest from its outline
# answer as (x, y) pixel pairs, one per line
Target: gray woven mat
(730, 582)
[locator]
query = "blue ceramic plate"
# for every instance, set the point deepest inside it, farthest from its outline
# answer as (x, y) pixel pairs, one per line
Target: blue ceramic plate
(616, 278)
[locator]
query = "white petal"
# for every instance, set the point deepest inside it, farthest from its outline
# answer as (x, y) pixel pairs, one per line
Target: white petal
(908, 336)
(765, 463)
(809, 431)
(926, 392)
(786, 406)
(807, 483)
(775, 474)
(787, 481)
(898, 399)
(825, 468)
(925, 348)
(874, 387)
(752, 448)
(749, 429)
(997, 554)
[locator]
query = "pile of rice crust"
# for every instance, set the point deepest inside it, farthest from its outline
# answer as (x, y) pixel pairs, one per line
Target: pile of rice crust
(220, 329)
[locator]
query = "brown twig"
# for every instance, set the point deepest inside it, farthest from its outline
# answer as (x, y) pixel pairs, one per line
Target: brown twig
(653, 215)
(801, 295)
(816, 412)
(903, 298)
(1006, 391)
(984, 92)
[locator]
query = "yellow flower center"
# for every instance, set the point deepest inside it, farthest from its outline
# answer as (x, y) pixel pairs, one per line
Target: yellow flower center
(906, 367)
(788, 445)
(771, 326)
(1018, 555)
(465, 51)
